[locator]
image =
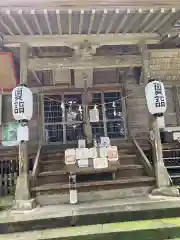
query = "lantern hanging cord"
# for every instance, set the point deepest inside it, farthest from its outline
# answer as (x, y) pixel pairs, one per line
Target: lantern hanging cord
(97, 104)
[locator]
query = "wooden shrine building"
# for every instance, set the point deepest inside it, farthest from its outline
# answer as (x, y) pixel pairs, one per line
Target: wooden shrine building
(116, 46)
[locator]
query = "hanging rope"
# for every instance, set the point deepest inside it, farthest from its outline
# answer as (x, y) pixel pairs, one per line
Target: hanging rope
(97, 104)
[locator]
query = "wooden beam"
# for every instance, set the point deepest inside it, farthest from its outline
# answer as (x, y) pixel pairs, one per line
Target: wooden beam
(70, 41)
(145, 63)
(64, 4)
(79, 63)
(24, 63)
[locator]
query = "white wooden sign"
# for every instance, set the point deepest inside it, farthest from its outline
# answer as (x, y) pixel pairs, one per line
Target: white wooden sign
(83, 163)
(103, 152)
(93, 152)
(105, 141)
(81, 143)
(82, 153)
(23, 133)
(94, 115)
(112, 153)
(70, 156)
(99, 163)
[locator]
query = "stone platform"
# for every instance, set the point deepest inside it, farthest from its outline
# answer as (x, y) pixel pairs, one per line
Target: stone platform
(158, 229)
(116, 211)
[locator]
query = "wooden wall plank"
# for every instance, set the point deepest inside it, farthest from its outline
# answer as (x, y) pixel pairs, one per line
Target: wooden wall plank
(137, 113)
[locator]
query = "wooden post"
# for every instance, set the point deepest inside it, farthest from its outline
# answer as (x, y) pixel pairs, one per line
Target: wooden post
(87, 124)
(22, 194)
(162, 178)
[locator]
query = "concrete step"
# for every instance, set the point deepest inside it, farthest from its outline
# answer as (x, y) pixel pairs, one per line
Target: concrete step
(154, 229)
(55, 222)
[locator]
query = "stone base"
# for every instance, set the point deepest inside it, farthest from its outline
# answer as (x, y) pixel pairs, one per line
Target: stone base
(166, 191)
(24, 204)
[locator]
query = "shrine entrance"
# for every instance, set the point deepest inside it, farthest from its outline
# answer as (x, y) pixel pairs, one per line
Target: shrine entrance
(64, 116)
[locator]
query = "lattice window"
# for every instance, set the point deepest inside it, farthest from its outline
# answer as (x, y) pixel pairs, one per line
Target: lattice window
(65, 124)
(52, 109)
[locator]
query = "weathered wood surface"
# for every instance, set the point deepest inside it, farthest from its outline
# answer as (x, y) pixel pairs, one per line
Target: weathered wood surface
(171, 113)
(53, 175)
(137, 113)
(80, 63)
(165, 64)
(122, 3)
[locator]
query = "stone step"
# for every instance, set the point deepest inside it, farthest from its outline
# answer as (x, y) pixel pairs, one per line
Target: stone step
(61, 175)
(98, 185)
(88, 170)
(52, 220)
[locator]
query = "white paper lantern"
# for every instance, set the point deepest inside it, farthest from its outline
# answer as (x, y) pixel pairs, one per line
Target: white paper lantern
(22, 103)
(156, 97)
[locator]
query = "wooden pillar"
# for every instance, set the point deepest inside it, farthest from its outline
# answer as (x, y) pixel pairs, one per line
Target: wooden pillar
(145, 74)
(162, 178)
(22, 194)
(176, 103)
(87, 125)
(42, 139)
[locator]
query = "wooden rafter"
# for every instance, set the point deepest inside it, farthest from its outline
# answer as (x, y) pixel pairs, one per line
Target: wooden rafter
(114, 17)
(145, 20)
(70, 20)
(59, 21)
(91, 20)
(123, 21)
(47, 21)
(81, 21)
(152, 23)
(134, 20)
(36, 21)
(164, 20)
(25, 22)
(13, 21)
(6, 27)
(101, 21)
